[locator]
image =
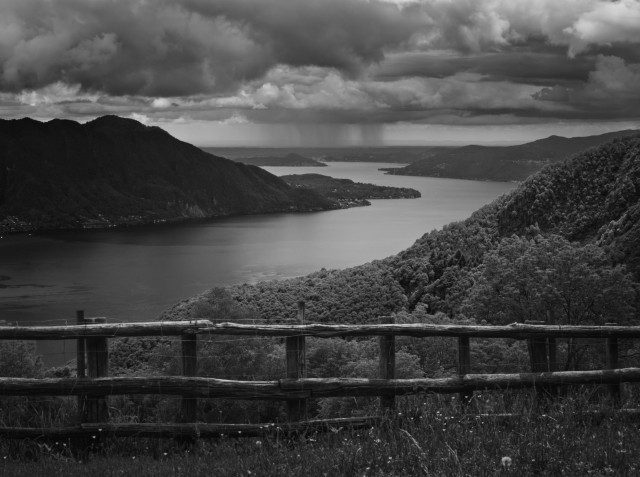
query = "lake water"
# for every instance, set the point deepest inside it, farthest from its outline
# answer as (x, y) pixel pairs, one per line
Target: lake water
(133, 274)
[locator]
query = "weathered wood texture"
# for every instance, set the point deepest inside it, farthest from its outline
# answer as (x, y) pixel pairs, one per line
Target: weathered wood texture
(189, 405)
(81, 366)
(387, 364)
(296, 359)
(418, 330)
(106, 330)
(285, 389)
(97, 349)
(612, 363)
(464, 365)
(194, 430)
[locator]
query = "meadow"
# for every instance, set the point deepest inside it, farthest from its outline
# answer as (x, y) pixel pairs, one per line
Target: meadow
(579, 434)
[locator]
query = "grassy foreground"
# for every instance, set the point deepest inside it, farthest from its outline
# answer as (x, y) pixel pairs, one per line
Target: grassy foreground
(563, 439)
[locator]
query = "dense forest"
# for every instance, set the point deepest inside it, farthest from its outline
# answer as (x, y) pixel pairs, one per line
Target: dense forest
(587, 207)
(561, 248)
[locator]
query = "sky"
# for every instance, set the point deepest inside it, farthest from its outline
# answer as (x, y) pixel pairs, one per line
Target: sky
(280, 73)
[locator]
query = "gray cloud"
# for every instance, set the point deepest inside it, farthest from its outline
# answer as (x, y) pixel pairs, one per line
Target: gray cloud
(180, 48)
(356, 61)
(611, 91)
(540, 68)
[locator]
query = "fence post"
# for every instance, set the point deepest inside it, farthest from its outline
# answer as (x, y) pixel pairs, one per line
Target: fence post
(387, 364)
(189, 405)
(464, 365)
(296, 368)
(97, 349)
(538, 356)
(80, 366)
(612, 363)
(552, 346)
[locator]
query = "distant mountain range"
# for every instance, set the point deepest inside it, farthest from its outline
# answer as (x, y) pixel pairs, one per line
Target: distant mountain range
(503, 163)
(395, 154)
(115, 171)
(290, 160)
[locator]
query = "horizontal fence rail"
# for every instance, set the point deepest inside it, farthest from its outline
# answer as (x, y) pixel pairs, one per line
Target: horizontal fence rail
(92, 384)
(518, 331)
(305, 388)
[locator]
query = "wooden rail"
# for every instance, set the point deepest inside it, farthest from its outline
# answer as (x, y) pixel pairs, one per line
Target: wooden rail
(305, 388)
(92, 384)
(518, 331)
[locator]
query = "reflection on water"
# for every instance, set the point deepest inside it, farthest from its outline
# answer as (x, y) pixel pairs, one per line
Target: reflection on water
(133, 274)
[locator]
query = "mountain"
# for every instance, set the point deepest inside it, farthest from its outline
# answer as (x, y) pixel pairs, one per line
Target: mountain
(290, 160)
(592, 200)
(506, 163)
(113, 171)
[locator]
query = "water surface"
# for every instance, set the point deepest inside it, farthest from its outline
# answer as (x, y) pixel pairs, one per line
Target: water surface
(133, 274)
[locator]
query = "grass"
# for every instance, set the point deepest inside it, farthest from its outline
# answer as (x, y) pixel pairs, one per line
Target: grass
(426, 438)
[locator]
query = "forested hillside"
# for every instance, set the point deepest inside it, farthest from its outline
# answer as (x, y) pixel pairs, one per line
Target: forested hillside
(114, 171)
(504, 163)
(584, 211)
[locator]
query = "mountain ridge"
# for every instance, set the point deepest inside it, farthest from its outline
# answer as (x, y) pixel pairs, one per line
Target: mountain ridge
(116, 171)
(504, 163)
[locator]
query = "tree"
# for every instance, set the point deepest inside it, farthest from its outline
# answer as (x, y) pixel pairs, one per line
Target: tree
(550, 279)
(553, 280)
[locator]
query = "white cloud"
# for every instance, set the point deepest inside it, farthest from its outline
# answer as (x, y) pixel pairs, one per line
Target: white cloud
(613, 78)
(143, 118)
(57, 92)
(607, 23)
(161, 103)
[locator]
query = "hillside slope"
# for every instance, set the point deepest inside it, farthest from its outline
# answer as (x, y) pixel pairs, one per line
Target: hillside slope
(507, 163)
(593, 198)
(112, 171)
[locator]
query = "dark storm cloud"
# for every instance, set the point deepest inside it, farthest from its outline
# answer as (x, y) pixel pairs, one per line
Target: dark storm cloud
(343, 34)
(122, 47)
(528, 67)
(164, 48)
(360, 61)
(611, 91)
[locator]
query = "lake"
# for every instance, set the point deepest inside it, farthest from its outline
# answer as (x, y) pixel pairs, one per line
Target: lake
(132, 274)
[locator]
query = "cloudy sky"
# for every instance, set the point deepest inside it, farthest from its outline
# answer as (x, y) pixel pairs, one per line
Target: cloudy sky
(327, 72)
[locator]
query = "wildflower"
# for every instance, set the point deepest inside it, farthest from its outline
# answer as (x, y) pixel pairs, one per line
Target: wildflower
(506, 462)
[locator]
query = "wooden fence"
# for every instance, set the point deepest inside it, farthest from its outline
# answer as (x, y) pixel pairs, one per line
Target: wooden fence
(93, 384)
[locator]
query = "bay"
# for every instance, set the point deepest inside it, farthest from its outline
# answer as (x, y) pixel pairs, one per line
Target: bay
(133, 274)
